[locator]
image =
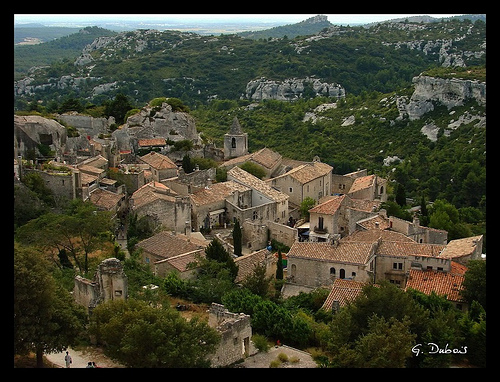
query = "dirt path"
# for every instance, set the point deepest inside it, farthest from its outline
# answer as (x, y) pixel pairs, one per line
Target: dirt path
(82, 357)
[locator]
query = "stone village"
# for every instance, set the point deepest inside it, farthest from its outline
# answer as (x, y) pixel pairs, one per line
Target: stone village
(347, 242)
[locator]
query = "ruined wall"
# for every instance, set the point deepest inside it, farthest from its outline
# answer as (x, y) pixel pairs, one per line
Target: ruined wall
(236, 334)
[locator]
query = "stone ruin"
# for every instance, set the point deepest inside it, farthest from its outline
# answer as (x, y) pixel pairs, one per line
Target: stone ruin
(109, 283)
(236, 333)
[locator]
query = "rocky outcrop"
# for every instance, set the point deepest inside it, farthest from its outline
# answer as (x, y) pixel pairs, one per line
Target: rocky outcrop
(291, 89)
(450, 92)
(156, 122)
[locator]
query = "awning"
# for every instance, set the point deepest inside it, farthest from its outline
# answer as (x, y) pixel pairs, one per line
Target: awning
(217, 212)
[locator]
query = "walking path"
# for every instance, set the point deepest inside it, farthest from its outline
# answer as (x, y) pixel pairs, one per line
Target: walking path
(82, 357)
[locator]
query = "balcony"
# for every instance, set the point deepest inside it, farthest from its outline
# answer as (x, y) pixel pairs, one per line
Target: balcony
(317, 229)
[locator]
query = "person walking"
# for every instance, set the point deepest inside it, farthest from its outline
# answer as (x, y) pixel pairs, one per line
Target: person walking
(68, 360)
(89, 365)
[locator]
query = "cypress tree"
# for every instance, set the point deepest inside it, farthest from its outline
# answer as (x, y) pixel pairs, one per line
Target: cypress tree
(237, 239)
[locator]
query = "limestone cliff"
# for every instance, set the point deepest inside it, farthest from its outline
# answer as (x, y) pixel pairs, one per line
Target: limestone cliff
(445, 91)
(291, 89)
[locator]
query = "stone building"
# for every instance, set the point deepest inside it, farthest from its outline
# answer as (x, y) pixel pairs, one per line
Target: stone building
(109, 283)
(236, 333)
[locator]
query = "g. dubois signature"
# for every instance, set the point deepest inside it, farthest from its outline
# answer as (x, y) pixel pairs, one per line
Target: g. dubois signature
(435, 349)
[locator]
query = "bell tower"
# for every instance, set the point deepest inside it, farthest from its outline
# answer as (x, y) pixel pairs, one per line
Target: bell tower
(235, 141)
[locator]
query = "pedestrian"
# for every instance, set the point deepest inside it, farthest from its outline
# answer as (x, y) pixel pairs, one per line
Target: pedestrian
(89, 365)
(68, 360)
(94, 365)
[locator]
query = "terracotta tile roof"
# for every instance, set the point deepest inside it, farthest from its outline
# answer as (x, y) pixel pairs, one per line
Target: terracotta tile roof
(158, 161)
(255, 183)
(373, 235)
(461, 247)
(247, 263)
(343, 291)
(216, 192)
(400, 248)
(344, 252)
(150, 192)
(181, 262)
(266, 158)
(362, 183)
(152, 142)
(104, 199)
(165, 244)
(442, 283)
(330, 207)
(309, 171)
(374, 222)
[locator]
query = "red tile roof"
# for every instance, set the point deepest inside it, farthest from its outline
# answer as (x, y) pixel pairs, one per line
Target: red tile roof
(447, 284)
(343, 291)
(345, 252)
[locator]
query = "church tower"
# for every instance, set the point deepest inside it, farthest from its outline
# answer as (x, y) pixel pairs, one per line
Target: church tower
(235, 141)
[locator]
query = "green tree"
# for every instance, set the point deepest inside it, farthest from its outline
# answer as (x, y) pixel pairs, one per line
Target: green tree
(474, 284)
(400, 195)
(237, 237)
(305, 206)
(118, 108)
(46, 319)
(187, 165)
(279, 266)
(254, 169)
(144, 336)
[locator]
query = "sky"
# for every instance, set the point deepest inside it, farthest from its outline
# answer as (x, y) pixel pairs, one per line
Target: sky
(208, 18)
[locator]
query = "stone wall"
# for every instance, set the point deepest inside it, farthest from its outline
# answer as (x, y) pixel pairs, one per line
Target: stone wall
(236, 333)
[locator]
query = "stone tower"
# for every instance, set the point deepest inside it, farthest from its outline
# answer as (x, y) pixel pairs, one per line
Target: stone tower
(235, 141)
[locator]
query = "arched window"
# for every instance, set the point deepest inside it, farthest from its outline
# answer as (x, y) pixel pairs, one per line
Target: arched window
(342, 273)
(294, 269)
(233, 143)
(332, 271)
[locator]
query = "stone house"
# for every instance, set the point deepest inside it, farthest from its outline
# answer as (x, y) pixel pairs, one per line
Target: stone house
(337, 216)
(247, 263)
(210, 205)
(267, 203)
(360, 185)
(317, 264)
(463, 250)
(163, 206)
(161, 166)
(343, 292)
(166, 251)
(236, 334)
(312, 180)
(417, 232)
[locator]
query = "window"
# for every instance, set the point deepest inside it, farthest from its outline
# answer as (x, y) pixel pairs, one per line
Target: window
(255, 215)
(342, 273)
(353, 274)
(332, 271)
(320, 222)
(291, 189)
(398, 266)
(233, 143)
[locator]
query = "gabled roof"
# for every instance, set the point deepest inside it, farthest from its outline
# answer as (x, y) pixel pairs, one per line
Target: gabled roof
(362, 183)
(158, 161)
(343, 291)
(462, 247)
(150, 192)
(265, 157)
(165, 244)
(330, 207)
(255, 183)
(344, 252)
(441, 283)
(216, 192)
(247, 263)
(307, 172)
(104, 199)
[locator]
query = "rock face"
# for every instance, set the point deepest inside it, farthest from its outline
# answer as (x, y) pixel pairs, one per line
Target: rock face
(156, 122)
(448, 92)
(32, 131)
(291, 89)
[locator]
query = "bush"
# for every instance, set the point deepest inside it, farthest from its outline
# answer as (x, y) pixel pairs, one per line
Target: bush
(261, 343)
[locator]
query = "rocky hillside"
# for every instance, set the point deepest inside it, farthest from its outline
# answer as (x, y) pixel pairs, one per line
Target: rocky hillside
(145, 64)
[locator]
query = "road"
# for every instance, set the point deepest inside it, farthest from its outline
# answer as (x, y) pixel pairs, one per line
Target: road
(81, 358)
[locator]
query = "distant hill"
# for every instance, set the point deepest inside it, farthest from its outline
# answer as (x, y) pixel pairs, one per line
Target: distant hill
(307, 27)
(41, 33)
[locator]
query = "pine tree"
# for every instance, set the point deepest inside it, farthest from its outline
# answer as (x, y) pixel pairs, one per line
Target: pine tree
(279, 266)
(237, 235)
